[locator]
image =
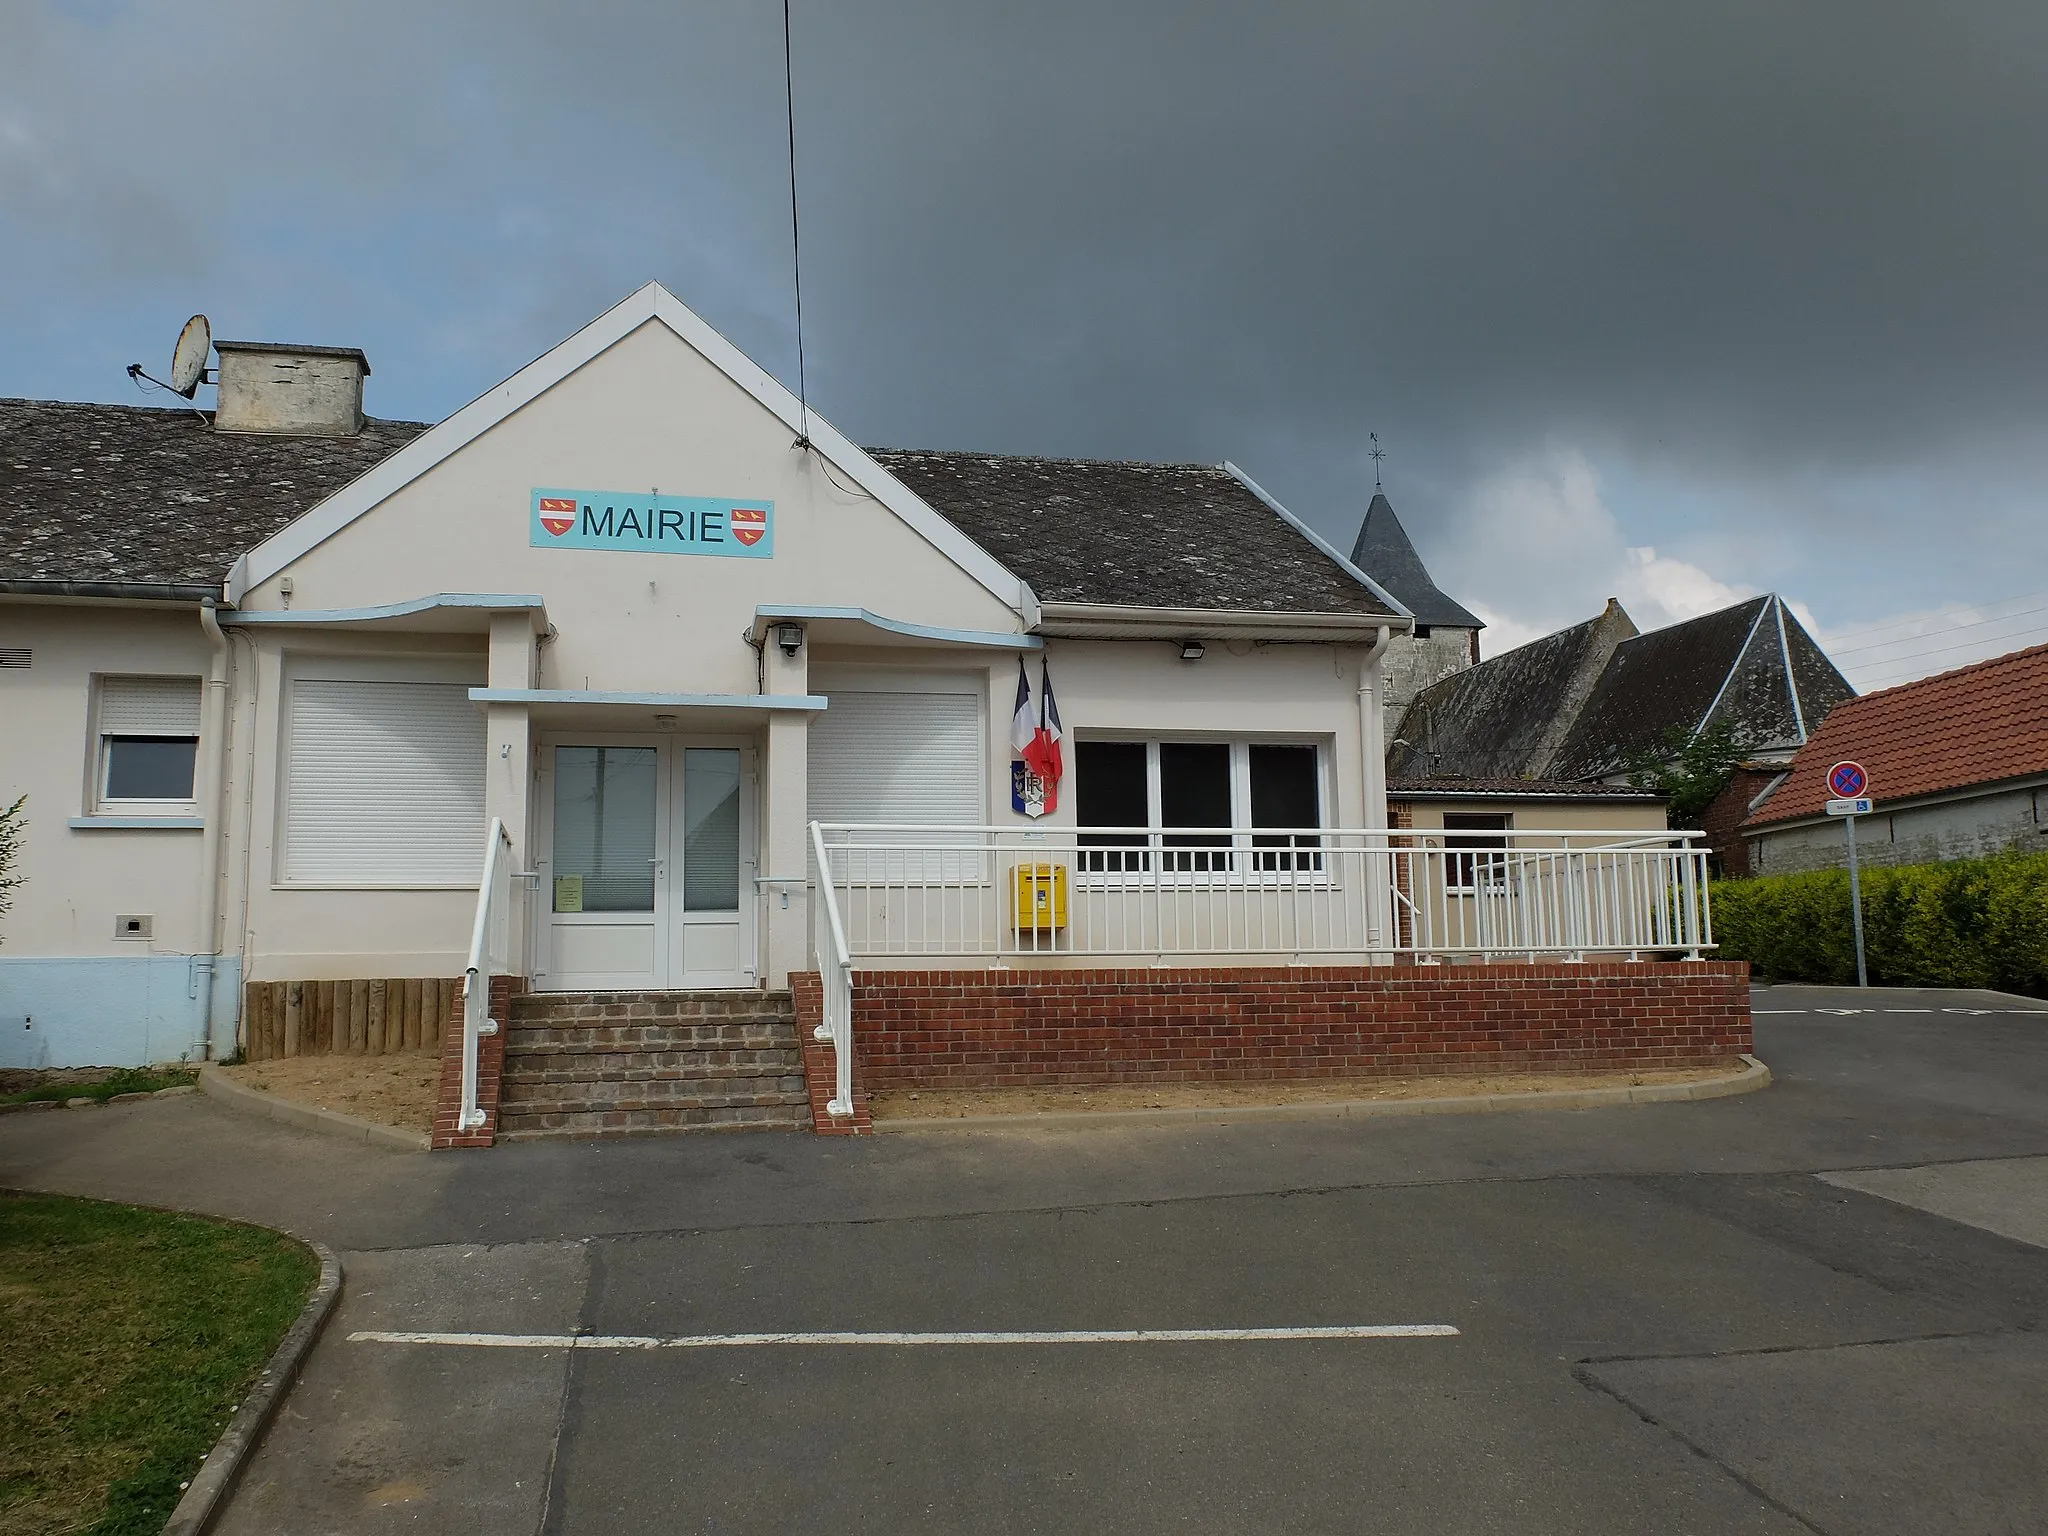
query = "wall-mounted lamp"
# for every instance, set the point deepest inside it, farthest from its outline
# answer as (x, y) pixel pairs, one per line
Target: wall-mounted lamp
(664, 722)
(790, 637)
(1191, 650)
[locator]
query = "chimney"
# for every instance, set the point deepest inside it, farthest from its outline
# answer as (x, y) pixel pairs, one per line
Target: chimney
(267, 386)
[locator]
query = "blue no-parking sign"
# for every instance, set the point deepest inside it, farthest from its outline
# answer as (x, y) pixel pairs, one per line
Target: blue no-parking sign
(1848, 780)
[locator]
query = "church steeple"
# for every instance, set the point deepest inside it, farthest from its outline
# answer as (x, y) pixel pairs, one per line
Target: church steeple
(1383, 551)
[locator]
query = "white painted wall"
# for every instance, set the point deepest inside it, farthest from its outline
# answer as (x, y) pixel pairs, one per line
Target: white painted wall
(77, 881)
(648, 412)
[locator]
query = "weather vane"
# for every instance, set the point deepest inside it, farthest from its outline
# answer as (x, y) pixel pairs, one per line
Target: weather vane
(1376, 454)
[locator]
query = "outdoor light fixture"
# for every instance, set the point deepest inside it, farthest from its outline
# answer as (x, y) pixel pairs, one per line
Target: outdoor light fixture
(1191, 650)
(790, 637)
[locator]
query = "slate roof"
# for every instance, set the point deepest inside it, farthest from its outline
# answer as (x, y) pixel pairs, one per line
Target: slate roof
(1442, 788)
(1503, 718)
(1146, 535)
(147, 502)
(1727, 666)
(1384, 552)
(1979, 724)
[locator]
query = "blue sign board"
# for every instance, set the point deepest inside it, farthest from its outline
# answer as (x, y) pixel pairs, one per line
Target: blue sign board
(662, 525)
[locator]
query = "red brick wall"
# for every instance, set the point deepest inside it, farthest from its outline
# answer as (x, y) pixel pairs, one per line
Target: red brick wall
(986, 1029)
(490, 1064)
(1727, 812)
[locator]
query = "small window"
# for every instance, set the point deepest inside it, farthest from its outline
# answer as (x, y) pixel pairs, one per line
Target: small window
(1477, 850)
(147, 749)
(1235, 788)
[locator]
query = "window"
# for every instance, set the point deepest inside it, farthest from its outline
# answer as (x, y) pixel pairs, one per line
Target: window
(148, 744)
(910, 754)
(384, 783)
(1485, 865)
(1262, 799)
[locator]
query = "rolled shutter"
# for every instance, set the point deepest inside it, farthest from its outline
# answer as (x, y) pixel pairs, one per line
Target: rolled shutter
(901, 757)
(904, 757)
(149, 706)
(386, 784)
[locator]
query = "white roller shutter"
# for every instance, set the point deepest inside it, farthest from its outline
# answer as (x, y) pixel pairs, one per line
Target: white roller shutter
(386, 784)
(901, 757)
(149, 706)
(913, 757)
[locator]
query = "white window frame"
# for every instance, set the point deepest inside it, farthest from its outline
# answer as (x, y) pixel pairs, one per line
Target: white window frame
(1239, 869)
(99, 801)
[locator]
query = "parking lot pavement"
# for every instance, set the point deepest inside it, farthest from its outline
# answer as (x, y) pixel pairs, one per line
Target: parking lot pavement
(1665, 1321)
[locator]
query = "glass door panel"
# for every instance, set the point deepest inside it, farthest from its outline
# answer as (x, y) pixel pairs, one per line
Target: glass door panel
(713, 945)
(606, 885)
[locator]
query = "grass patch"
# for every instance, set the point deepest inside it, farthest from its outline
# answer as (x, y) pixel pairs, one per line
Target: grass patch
(127, 1337)
(121, 1080)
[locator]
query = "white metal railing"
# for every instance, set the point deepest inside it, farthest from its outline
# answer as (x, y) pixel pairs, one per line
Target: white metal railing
(835, 975)
(1001, 893)
(490, 954)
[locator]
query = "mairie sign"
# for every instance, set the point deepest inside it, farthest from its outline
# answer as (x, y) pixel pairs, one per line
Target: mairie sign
(643, 524)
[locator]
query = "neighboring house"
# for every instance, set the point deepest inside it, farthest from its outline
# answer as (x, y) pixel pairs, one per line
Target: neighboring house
(1583, 705)
(1445, 639)
(1958, 767)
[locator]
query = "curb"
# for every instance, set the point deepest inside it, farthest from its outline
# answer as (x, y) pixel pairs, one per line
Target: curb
(1753, 1076)
(223, 1465)
(305, 1117)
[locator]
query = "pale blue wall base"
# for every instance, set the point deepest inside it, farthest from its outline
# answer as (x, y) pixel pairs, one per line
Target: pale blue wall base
(114, 1011)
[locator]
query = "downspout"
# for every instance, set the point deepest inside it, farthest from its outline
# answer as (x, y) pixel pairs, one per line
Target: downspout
(1372, 744)
(1372, 728)
(213, 729)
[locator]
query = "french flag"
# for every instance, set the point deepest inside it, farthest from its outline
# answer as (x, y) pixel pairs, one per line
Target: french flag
(1042, 752)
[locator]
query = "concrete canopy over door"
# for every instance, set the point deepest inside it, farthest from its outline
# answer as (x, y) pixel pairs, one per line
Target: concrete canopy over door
(646, 853)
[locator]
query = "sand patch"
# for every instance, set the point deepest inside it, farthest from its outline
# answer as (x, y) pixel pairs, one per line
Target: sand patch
(959, 1103)
(399, 1090)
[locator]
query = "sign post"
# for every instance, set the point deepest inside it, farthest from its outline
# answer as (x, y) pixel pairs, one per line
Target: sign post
(1848, 782)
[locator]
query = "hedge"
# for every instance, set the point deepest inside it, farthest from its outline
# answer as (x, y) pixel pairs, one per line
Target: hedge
(1962, 923)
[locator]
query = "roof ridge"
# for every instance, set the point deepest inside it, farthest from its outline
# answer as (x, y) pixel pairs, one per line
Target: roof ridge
(1051, 458)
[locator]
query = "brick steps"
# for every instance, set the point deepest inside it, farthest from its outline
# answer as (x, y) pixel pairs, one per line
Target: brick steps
(581, 1064)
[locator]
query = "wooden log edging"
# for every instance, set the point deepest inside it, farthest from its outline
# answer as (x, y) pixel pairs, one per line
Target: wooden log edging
(378, 1016)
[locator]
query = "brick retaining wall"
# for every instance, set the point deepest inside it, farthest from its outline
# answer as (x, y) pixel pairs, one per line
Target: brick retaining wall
(490, 1065)
(1042, 1028)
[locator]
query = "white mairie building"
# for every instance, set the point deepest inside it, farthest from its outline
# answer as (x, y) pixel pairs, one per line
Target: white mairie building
(578, 684)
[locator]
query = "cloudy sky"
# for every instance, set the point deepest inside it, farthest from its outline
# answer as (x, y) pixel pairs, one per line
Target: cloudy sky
(1670, 303)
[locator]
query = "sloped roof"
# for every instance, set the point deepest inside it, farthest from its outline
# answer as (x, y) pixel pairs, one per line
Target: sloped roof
(1503, 718)
(134, 497)
(1443, 788)
(1386, 554)
(1147, 535)
(1976, 725)
(1751, 665)
(150, 502)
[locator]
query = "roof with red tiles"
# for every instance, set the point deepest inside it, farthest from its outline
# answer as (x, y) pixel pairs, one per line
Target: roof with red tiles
(1979, 724)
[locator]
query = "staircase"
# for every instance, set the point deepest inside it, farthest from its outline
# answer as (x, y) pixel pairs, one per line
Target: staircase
(648, 1063)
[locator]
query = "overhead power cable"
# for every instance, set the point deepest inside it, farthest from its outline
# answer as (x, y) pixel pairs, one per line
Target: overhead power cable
(1898, 623)
(796, 259)
(1935, 634)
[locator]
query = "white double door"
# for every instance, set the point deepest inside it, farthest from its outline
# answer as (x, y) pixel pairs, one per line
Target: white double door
(648, 874)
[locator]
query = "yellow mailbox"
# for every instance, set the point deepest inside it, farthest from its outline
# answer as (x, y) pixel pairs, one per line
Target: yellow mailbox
(1041, 891)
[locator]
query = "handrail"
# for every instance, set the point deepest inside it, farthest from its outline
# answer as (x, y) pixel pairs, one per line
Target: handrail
(929, 890)
(836, 982)
(487, 958)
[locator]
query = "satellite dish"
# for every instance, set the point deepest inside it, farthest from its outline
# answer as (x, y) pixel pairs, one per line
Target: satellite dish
(188, 360)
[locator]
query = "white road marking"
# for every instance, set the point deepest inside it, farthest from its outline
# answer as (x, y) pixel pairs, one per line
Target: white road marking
(747, 1340)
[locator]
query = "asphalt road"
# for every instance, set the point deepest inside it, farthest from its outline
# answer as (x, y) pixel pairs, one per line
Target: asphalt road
(1810, 1309)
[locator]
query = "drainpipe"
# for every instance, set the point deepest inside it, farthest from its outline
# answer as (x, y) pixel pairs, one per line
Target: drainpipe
(1372, 745)
(213, 729)
(1371, 728)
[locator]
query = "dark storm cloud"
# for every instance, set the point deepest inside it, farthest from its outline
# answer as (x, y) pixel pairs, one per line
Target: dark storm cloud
(1760, 263)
